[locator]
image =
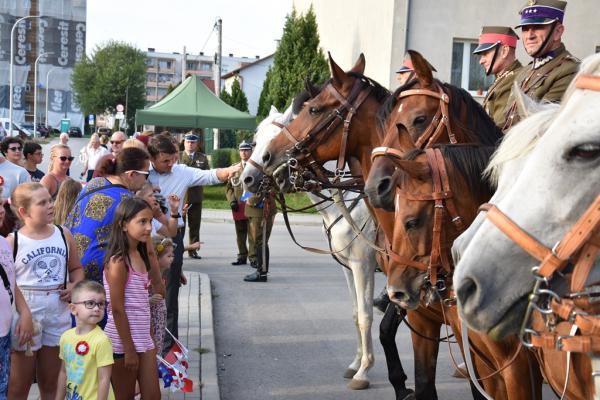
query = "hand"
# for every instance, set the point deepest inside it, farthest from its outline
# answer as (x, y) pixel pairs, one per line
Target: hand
(156, 298)
(183, 279)
(185, 209)
(174, 202)
(235, 207)
(131, 361)
(65, 294)
(24, 328)
(194, 246)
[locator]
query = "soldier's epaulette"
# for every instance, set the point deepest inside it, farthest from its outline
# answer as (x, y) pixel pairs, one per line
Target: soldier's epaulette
(571, 57)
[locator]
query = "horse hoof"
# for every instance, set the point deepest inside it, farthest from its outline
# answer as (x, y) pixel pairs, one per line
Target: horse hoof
(406, 394)
(358, 384)
(349, 373)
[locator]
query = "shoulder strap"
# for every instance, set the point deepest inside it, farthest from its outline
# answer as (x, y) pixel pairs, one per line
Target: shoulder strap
(94, 190)
(15, 244)
(6, 283)
(62, 234)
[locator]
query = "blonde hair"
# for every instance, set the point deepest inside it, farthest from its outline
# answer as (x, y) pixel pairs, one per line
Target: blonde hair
(53, 151)
(134, 143)
(22, 196)
(65, 199)
(103, 139)
(161, 244)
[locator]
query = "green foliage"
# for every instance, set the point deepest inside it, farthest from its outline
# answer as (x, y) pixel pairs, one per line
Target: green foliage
(225, 96)
(298, 56)
(115, 74)
(225, 157)
(238, 100)
(214, 197)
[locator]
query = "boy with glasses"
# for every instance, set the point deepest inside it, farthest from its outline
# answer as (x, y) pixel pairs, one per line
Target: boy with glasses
(11, 174)
(86, 352)
(12, 149)
(33, 157)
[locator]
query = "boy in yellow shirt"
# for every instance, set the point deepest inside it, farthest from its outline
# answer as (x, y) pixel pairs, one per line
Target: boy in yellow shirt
(86, 351)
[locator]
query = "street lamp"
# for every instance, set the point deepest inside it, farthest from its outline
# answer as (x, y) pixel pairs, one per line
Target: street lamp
(47, 90)
(35, 86)
(12, 60)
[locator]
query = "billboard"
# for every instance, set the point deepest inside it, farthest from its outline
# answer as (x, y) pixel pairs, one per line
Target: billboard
(61, 31)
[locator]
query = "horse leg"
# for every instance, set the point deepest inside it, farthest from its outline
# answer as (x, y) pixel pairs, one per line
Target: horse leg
(425, 352)
(355, 364)
(363, 284)
(387, 336)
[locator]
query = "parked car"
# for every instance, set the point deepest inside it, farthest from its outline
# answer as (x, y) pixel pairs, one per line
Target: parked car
(43, 130)
(104, 131)
(74, 131)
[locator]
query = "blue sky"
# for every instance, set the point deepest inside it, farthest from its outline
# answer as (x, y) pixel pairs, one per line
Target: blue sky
(250, 27)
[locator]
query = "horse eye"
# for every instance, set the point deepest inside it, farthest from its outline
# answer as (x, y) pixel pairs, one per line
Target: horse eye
(419, 120)
(587, 151)
(411, 224)
(315, 110)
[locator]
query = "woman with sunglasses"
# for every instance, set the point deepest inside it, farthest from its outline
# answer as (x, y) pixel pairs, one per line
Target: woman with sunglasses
(94, 210)
(60, 162)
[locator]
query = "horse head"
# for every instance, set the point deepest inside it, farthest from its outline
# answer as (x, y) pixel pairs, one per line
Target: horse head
(317, 133)
(437, 195)
(549, 193)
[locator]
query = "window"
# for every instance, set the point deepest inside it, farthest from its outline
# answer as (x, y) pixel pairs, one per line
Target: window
(205, 66)
(466, 71)
(151, 77)
(151, 62)
(597, 49)
(165, 64)
(191, 65)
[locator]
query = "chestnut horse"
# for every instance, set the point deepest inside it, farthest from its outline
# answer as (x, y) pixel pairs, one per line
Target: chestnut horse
(429, 216)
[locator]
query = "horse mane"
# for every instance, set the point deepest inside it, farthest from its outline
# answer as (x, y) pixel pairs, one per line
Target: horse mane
(480, 126)
(483, 129)
(381, 93)
(469, 160)
(301, 98)
(519, 140)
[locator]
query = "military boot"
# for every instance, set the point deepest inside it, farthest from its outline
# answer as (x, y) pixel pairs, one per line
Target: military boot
(256, 277)
(381, 302)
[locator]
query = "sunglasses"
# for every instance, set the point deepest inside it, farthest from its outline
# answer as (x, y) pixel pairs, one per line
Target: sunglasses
(91, 304)
(65, 158)
(116, 142)
(145, 173)
(14, 148)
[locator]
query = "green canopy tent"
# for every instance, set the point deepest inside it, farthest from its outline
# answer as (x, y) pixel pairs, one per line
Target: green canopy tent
(193, 105)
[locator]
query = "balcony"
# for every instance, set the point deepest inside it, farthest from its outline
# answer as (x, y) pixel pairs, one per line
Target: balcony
(152, 69)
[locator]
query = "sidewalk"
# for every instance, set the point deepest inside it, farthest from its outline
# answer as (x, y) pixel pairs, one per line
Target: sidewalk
(213, 215)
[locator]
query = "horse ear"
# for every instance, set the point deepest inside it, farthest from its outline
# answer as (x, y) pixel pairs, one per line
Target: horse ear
(526, 106)
(273, 110)
(416, 169)
(312, 90)
(337, 74)
(422, 68)
(359, 66)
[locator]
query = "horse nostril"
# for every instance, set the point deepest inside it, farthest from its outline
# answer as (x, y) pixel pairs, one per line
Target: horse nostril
(384, 185)
(399, 296)
(248, 180)
(466, 290)
(266, 157)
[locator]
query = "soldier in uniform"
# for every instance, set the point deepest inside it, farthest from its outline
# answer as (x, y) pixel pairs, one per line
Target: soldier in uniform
(234, 191)
(553, 67)
(260, 210)
(497, 45)
(193, 157)
(406, 71)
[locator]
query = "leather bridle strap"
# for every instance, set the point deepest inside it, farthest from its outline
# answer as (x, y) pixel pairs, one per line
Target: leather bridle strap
(556, 259)
(383, 151)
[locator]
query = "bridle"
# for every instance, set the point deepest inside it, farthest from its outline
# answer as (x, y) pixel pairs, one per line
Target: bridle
(440, 260)
(573, 255)
(439, 123)
(303, 148)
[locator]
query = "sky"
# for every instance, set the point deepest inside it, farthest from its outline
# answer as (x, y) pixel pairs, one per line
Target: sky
(250, 27)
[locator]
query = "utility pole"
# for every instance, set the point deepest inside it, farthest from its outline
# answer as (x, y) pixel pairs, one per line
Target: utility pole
(183, 64)
(218, 58)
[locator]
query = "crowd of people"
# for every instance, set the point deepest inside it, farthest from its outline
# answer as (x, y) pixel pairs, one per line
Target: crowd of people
(91, 267)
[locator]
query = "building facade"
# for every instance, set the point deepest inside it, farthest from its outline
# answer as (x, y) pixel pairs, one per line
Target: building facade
(445, 32)
(251, 78)
(168, 69)
(61, 32)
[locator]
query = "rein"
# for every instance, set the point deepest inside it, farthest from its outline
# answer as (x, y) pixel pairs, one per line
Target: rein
(578, 310)
(440, 120)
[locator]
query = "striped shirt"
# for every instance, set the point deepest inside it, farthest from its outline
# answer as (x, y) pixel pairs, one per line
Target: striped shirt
(137, 309)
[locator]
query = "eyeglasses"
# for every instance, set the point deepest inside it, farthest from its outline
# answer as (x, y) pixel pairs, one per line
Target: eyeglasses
(145, 173)
(15, 148)
(116, 142)
(65, 158)
(91, 304)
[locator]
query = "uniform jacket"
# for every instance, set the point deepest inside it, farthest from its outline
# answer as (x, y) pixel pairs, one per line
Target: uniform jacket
(497, 95)
(234, 188)
(199, 160)
(543, 79)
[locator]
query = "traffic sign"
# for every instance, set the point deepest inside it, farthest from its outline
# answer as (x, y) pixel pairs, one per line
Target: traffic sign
(119, 115)
(120, 108)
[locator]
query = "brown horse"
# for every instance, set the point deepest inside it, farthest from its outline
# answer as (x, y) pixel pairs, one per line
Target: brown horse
(429, 216)
(313, 127)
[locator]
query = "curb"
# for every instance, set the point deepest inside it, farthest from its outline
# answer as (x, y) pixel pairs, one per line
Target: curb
(208, 360)
(222, 216)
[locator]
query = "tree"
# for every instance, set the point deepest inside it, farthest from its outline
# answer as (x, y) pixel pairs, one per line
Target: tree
(114, 74)
(238, 100)
(238, 97)
(297, 57)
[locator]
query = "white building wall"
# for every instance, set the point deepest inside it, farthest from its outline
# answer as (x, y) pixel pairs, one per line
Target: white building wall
(251, 79)
(377, 28)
